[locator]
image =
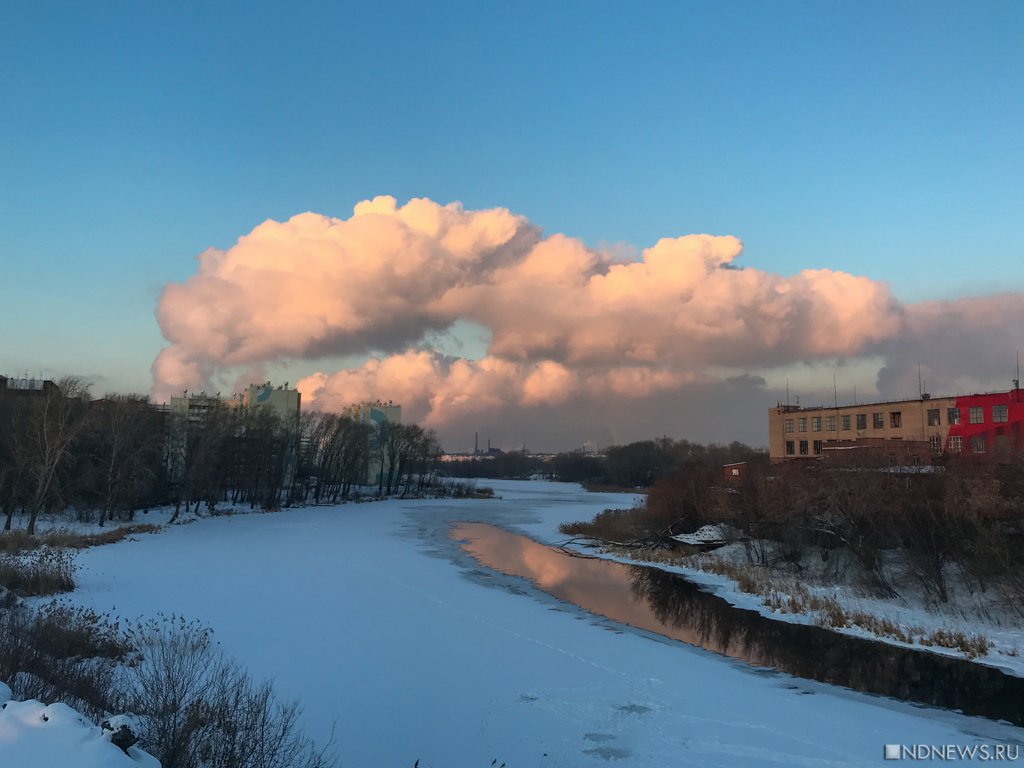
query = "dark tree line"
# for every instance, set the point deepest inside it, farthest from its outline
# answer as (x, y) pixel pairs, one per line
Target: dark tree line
(57, 450)
(634, 465)
(964, 519)
(338, 454)
(113, 457)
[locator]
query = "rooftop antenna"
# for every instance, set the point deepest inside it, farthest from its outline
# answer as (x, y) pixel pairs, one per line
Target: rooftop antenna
(835, 392)
(1016, 381)
(920, 383)
(787, 392)
(854, 394)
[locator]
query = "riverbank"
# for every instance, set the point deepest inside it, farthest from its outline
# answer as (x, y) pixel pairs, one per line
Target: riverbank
(368, 609)
(968, 627)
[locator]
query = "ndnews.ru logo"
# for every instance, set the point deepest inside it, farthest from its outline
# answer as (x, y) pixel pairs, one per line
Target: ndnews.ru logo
(952, 752)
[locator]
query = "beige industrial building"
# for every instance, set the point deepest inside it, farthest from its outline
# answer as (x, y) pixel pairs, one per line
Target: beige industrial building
(910, 431)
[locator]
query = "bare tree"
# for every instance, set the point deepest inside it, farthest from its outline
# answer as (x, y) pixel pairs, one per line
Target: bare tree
(124, 437)
(43, 442)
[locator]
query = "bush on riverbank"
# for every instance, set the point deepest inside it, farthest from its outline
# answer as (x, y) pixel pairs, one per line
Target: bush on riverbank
(42, 572)
(962, 527)
(918, 558)
(193, 706)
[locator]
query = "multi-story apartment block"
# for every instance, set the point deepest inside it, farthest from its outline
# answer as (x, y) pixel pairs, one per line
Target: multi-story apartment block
(286, 403)
(985, 425)
(377, 415)
(195, 409)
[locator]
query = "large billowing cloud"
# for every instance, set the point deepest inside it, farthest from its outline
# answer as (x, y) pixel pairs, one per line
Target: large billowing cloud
(571, 328)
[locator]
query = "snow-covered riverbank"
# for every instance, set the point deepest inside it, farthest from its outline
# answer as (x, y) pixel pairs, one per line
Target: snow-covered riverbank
(407, 649)
(916, 622)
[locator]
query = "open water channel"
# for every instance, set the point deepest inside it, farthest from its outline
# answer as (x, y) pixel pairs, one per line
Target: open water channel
(651, 599)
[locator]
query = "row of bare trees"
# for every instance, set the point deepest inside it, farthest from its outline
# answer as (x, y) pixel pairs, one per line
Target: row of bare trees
(633, 465)
(902, 530)
(58, 448)
(111, 457)
(338, 454)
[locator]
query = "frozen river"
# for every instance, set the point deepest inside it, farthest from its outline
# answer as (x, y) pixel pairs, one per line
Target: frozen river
(388, 631)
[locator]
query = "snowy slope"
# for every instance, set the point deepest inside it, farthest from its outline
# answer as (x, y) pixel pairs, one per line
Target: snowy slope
(389, 634)
(34, 735)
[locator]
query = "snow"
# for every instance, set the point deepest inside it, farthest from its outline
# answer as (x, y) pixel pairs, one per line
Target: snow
(1007, 639)
(706, 534)
(34, 735)
(407, 649)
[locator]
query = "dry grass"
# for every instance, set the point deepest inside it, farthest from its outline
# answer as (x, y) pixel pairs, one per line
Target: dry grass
(14, 542)
(45, 571)
(42, 564)
(972, 646)
(609, 525)
(784, 594)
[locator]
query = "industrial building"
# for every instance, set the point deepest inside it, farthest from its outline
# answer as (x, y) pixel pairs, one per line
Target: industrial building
(26, 387)
(986, 426)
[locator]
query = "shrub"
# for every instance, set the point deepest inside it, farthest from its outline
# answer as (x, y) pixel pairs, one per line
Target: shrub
(194, 707)
(198, 709)
(62, 653)
(45, 571)
(615, 525)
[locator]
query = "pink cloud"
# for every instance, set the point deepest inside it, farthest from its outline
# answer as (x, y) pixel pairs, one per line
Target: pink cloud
(567, 323)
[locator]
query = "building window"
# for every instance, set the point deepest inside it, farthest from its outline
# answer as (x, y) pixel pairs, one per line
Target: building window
(956, 444)
(817, 447)
(830, 423)
(1000, 413)
(803, 424)
(933, 417)
(845, 422)
(816, 423)
(803, 447)
(878, 420)
(896, 419)
(953, 415)
(936, 443)
(789, 425)
(977, 414)
(790, 448)
(978, 443)
(862, 421)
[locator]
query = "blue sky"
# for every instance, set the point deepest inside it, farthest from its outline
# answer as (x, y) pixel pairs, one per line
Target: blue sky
(882, 139)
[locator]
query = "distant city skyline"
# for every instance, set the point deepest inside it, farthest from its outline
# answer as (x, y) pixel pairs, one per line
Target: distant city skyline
(873, 140)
